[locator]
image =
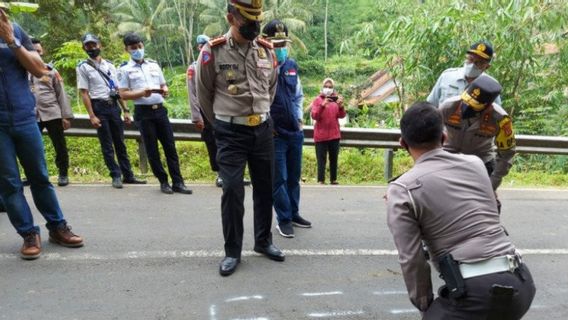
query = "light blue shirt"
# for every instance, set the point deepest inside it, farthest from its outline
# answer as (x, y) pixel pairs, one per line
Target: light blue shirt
(148, 75)
(452, 83)
(299, 101)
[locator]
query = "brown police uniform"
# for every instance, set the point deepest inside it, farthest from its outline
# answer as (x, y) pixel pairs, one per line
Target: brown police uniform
(488, 135)
(52, 105)
(236, 84)
(431, 203)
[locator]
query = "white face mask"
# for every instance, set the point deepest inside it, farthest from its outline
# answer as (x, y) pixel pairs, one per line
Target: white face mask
(327, 91)
(471, 70)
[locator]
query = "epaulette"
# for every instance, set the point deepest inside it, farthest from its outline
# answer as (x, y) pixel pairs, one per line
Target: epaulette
(217, 41)
(151, 61)
(265, 43)
(81, 63)
(50, 66)
(451, 70)
(123, 64)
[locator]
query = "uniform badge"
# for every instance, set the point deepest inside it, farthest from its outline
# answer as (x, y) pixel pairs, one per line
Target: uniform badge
(205, 57)
(291, 73)
(44, 78)
(261, 53)
(505, 139)
(230, 76)
(233, 89)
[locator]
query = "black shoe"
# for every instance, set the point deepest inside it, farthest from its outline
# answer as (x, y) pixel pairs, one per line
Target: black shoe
(133, 180)
(301, 222)
(62, 181)
(2, 209)
(26, 182)
(285, 229)
(271, 252)
(246, 182)
(228, 265)
(165, 188)
(181, 188)
(116, 183)
(219, 182)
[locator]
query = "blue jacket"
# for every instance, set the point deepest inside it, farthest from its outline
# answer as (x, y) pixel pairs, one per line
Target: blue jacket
(286, 109)
(17, 102)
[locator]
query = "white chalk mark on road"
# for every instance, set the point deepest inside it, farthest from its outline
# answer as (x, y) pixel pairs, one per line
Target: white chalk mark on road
(244, 298)
(403, 311)
(317, 294)
(335, 314)
(213, 312)
(389, 293)
(138, 255)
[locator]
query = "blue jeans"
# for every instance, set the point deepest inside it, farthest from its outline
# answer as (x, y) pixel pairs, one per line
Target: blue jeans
(287, 171)
(25, 143)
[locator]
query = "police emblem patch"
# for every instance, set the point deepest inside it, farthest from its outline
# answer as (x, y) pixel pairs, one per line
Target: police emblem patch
(205, 57)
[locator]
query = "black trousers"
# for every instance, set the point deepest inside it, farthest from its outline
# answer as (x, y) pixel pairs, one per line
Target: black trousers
(56, 135)
(323, 149)
(208, 136)
(111, 137)
(154, 126)
(238, 146)
(484, 302)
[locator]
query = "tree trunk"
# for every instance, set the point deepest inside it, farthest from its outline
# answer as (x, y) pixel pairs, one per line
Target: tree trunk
(325, 29)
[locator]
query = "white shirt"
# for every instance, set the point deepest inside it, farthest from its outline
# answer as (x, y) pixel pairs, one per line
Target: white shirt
(90, 79)
(148, 75)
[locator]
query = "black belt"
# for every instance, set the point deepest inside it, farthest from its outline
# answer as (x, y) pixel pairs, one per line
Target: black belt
(108, 101)
(151, 106)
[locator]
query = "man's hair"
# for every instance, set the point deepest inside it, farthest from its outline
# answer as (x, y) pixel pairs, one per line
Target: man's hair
(131, 38)
(421, 126)
(36, 41)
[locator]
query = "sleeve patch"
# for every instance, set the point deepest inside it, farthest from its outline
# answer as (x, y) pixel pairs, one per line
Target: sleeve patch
(505, 139)
(190, 73)
(206, 57)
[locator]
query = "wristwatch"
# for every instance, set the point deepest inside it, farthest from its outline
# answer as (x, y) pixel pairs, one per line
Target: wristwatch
(15, 44)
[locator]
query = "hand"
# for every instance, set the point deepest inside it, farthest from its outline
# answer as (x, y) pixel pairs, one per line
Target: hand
(6, 29)
(325, 101)
(127, 118)
(340, 101)
(66, 124)
(146, 93)
(95, 122)
(166, 92)
(200, 125)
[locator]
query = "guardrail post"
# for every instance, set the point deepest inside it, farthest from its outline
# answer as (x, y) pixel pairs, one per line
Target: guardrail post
(142, 156)
(389, 154)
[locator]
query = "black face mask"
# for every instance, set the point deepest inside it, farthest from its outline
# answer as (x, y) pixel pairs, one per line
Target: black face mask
(93, 53)
(250, 31)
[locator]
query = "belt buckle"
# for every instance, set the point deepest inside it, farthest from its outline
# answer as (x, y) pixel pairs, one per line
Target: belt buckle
(513, 262)
(253, 120)
(154, 106)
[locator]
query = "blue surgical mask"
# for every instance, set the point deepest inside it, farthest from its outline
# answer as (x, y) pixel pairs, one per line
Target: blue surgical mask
(137, 54)
(281, 54)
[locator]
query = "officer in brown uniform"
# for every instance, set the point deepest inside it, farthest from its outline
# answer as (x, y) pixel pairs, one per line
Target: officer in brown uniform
(236, 83)
(446, 200)
(475, 125)
(53, 112)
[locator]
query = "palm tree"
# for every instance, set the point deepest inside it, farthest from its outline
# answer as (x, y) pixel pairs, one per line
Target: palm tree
(213, 17)
(146, 17)
(293, 14)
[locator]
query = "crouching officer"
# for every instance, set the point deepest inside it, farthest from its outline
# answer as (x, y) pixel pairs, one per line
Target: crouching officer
(236, 83)
(484, 274)
(142, 80)
(475, 125)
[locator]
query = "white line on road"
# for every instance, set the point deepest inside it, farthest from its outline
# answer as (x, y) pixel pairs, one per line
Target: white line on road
(137, 255)
(389, 293)
(402, 311)
(244, 298)
(317, 294)
(213, 312)
(335, 314)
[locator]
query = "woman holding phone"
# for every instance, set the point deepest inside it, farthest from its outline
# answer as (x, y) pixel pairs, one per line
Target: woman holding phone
(327, 108)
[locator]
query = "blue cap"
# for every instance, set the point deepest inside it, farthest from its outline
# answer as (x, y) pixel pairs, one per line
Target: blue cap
(202, 39)
(89, 37)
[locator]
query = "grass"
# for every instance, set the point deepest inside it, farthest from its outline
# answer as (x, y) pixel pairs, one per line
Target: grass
(357, 166)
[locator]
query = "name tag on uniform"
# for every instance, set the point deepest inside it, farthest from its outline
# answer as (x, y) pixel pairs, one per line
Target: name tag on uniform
(264, 64)
(228, 66)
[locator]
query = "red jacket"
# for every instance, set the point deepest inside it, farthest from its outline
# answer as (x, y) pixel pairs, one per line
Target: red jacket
(327, 125)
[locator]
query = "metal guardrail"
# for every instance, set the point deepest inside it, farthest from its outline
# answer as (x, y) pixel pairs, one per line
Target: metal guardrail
(387, 139)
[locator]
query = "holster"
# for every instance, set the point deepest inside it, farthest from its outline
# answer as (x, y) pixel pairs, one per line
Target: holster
(450, 273)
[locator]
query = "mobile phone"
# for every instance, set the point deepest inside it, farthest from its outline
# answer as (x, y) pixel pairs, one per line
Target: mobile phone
(333, 98)
(159, 91)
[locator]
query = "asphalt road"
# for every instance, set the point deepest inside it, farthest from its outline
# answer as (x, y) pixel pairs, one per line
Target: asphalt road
(154, 256)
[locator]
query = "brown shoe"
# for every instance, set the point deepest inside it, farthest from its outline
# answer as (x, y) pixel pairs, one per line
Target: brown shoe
(32, 247)
(64, 237)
